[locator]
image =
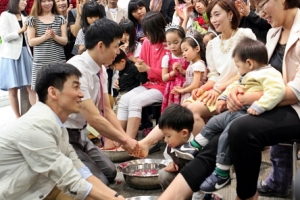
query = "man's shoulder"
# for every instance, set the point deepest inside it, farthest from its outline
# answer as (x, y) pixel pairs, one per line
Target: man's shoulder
(78, 61)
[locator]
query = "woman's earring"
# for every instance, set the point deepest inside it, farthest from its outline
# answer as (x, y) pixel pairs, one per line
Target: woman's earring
(230, 19)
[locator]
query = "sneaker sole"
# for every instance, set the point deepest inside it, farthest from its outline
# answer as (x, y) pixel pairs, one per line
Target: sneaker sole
(182, 155)
(273, 195)
(211, 192)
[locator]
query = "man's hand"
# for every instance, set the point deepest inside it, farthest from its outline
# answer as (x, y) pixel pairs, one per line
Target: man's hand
(171, 167)
(131, 146)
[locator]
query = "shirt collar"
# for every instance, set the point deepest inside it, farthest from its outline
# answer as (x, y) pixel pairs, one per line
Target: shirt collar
(58, 120)
(92, 64)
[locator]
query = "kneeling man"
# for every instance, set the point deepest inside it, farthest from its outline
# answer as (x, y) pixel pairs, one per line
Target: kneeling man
(36, 159)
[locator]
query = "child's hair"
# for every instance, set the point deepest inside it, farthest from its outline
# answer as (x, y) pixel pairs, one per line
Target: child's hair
(176, 117)
(128, 27)
(211, 33)
(191, 40)
(248, 48)
(175, 28)
(134, 5)
(119, 57)
(90, 9)
(153, 25)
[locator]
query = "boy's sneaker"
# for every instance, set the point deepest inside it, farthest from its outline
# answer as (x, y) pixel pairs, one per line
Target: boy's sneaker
(264, 190)
(214, 182)
(186, 151)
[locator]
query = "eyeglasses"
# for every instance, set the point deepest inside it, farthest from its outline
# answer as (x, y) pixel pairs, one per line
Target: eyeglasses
(261, 7)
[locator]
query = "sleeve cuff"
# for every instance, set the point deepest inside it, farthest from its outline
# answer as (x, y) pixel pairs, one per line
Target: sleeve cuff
(89, 188)
(85, 172)
(257, 108)
(294, 85)
(222, 97)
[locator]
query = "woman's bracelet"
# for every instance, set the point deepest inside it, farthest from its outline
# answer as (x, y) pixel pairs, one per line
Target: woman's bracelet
(217, 89)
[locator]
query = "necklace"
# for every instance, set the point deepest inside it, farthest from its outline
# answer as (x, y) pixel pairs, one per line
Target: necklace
(230, 41)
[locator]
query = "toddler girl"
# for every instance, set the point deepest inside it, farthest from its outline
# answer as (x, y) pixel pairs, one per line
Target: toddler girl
(193, 50)
(91, 11)
(149, 64)
(129, 45)
(173, 65)
(180, 11)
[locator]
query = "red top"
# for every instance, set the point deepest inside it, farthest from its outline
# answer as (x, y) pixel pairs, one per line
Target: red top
(152, 55)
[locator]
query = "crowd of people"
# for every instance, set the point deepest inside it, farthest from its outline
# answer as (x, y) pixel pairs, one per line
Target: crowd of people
(226, 73)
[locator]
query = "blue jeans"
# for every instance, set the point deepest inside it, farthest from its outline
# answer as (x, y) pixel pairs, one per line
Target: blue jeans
(220, 124)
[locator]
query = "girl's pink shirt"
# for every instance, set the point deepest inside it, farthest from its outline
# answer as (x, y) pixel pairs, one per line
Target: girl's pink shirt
(152, 55)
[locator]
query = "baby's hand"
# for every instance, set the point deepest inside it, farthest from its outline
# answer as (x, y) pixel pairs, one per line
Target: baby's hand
(221, 106)
(171, 167)
(251, 111)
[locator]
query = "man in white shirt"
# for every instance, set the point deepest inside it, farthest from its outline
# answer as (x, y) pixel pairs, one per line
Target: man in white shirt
(36, 159)
(114, 12)
(102, 43)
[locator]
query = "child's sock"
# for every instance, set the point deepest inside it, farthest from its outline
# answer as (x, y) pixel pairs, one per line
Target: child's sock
(195, 144)
(222, 170)
(200, 140)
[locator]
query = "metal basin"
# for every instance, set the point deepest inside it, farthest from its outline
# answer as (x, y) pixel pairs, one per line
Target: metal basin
(143, 198)
(142, 173)
(117, 156)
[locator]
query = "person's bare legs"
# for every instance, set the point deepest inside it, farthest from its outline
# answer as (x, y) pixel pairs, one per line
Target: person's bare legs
(133, 125)
(14, 102)
(154, 136)
(200, 112)
(178, 189)
(31, 95)
(255, 197)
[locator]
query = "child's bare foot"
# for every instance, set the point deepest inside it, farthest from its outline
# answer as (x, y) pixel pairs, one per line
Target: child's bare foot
(143, 150)
(108, 144)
